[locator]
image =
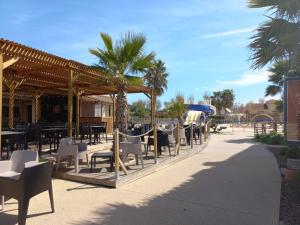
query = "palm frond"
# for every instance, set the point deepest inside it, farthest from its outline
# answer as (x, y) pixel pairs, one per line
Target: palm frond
(107, 40)
(273, 90)
(275, 40)
(142, 63)
(289, 9)
(134, 80)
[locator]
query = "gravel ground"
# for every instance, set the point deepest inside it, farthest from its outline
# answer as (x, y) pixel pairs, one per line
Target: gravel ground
(290, 203)
(290, 194)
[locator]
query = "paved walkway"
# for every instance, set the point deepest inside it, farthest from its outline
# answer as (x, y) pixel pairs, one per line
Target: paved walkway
(232, 182)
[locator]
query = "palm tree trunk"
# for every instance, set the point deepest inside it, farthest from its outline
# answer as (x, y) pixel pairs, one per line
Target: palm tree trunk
(121, 112)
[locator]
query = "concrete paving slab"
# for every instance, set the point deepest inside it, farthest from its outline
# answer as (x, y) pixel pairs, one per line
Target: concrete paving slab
(234, 181)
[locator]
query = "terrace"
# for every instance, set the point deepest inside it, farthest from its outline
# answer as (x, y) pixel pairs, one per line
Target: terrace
(31, 75)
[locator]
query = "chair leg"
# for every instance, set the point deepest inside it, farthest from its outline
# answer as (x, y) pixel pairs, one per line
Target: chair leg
(111, 160)
(137, 159)
(76, 163)
(169, 150)
(87, 160)
(142, 160)
(22, 210)
(2, 201)
(51, 198)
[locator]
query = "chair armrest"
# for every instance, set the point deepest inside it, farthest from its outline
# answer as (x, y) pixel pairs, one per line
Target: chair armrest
(31, 164)
(5, 166)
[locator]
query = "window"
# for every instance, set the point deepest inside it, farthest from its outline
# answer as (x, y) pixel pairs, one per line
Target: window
(97, 110)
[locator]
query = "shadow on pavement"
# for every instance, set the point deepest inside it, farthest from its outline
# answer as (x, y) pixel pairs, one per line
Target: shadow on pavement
(243, 190)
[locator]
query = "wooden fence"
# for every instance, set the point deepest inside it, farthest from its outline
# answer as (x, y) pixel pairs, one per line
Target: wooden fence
(268, 127)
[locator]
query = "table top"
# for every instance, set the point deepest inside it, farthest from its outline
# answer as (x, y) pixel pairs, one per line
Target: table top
(6, 132)
(97, 126)
(54, 129)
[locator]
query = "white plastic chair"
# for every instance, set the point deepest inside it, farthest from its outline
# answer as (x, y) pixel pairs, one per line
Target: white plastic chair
(66, 148)
(182, 136)
(133, 145)
(14, 167)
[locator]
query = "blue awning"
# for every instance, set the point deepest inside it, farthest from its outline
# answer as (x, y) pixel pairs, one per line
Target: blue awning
(203, 108)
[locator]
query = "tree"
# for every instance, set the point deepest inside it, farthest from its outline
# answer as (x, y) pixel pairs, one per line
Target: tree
(158, 104)
(139, 108)
(227, 98)
(156, 79)
(278, 38)
(279, 71)
(206, 96)
(117, 61)
(176, 107)
(191, 99)
(223, 99)
(216, 100)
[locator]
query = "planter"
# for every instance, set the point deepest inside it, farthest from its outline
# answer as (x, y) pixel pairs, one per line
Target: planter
(290, 174)
(293, 164)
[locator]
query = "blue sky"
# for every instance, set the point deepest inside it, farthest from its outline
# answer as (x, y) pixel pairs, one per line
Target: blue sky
(204, 43)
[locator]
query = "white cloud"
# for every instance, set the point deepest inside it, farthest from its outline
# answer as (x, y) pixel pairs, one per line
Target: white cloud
(248, 79)
(229, 33)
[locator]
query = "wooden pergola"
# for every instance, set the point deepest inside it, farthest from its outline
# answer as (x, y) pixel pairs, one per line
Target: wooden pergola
(28, 71)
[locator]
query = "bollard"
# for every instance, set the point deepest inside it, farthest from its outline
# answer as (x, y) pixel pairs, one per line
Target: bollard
(155, 143)
(117, 151)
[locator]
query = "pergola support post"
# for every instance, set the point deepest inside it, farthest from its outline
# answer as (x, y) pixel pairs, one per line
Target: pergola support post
(1, 83)
(36, 96)
(78, 93)
(70, 103)
(11, 84)
(152, 108)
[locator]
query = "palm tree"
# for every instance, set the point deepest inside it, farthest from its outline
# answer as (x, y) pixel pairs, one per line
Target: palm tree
(156, 79)
(278, 38)
(176, 108)
(279, 71)
(118, 60)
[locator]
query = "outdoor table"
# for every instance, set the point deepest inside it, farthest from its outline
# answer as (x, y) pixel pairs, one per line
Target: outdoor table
(9, 134)
(96, 130)
(54, 134)
(108, 155)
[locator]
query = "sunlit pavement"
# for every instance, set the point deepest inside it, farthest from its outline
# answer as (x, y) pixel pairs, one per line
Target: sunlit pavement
(234, 181)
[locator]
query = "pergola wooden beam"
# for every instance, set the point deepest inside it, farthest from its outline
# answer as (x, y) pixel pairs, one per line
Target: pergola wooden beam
(10, 62)
(3, 65)
(1, 84)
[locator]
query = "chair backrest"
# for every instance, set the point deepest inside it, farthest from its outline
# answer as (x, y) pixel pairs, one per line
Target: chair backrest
(65, 141)
(81, 147)
(182, 133)
(163, 139)
(19, 158)
(134, 140)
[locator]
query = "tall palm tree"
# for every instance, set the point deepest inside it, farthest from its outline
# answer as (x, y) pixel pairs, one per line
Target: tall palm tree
(156, 79)
(118, 60)
(278, 38)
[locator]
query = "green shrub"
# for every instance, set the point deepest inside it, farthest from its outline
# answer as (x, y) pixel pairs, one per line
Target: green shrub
(293, 152)
(271, 139)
